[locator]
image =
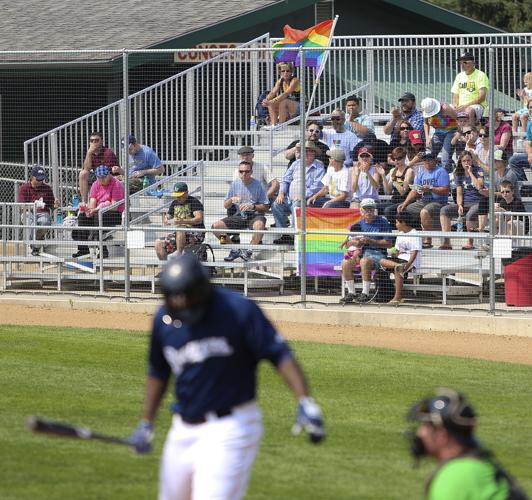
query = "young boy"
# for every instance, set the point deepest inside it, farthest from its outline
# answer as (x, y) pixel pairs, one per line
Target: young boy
(405, 256)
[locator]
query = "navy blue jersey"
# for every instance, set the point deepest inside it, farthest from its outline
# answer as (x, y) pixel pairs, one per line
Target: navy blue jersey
(214, 361)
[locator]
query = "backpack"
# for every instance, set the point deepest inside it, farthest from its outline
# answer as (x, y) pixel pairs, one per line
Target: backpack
(384, 284)
(261, 112)
(204, 253)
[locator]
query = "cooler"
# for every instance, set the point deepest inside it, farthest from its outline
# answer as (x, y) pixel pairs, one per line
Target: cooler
(518, 282)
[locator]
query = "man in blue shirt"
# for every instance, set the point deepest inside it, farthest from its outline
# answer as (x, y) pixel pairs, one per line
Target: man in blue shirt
(290, 195)
(143, 162)
(373, 250)
(358, 122)
(428, 195)
(212, 340)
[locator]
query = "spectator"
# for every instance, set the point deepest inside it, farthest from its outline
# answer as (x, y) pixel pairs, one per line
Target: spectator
(520, 161)
(428, 195)
(184, 211)
(415, 151)
(509, 203)
(446, 431)
(400, 135)
(501, 173)
(290, 194)
(482, 149)
(104, 192)
(470, 89)
(374, 250)
(502, 132)
(313, 134)
(339, 137)
(357, 122)
(336, 190)
(442, 118)
(283, 100)
(97, 155)
(143, 163)
(469, 179)
(404, 256)
(251, 202)
(471, 138)
(408, 113)
(523, 115)
(260, 172)
(38, 192)
(365, 180)
(400, 178)
(459, 140)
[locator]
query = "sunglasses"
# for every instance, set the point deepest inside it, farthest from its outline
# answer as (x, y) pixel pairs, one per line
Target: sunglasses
(364, 155)
(466, 132)
(336, 119)
(483, 135)
(405, 128)
(286, 71)
(317, 131)
(244, 171)
(506, 192)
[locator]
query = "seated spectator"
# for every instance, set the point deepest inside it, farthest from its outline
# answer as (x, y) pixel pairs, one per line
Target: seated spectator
(471, 138)
(501, 173)
(336, 190)
(509, 203)
(283, 100)
(251, 202)
(261, 172)
(520, 161)
(398, 182)
(104, 192)
(338, 136)
(469, 179)
(404, 256)
(407, 113)
(38, 192)
(184, 211)
(482, 149)
(400, 135)
(312, 134)
(358, 122)
(380, 148)
(290, 195)
(459, 139)
(415, 151)
(143, 164)
(442, 118)
(502, 132)
(374, 250)
(523, 115)
(428, 195)
(365, 180)
(97, 155)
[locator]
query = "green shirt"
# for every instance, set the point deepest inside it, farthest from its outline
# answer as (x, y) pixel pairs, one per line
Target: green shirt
(467, 479)
(468, 87)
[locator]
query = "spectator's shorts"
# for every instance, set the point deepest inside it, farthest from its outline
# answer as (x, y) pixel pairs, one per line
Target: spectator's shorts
(238, 222)
(374, 255)
(399, 261)
(433, 207)
(451, 211)
(191, 238)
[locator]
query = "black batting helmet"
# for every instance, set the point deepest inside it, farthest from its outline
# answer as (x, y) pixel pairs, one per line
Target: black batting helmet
(187, 289)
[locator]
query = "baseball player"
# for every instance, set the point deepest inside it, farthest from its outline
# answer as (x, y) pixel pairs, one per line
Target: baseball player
(466, 470)
(212, 340)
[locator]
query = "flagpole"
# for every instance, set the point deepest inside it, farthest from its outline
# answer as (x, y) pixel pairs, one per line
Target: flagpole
(322, 65)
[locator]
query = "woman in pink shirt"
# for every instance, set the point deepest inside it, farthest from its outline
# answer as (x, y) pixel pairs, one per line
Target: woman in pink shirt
(104, 192)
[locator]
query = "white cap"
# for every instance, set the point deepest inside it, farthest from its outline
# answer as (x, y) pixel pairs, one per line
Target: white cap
(368, 203)
(430, 107)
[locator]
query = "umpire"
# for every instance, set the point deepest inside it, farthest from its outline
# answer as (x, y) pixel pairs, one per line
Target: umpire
(212, 340)
(466, 470)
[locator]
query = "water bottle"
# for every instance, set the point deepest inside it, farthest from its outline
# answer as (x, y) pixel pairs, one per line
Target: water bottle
(252, 123)
(75, 202)
(460, 224)
(145, 182)
(59, 218)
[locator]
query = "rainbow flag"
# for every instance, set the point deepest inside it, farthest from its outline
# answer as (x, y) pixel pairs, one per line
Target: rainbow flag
(322, 249)
(315, 36)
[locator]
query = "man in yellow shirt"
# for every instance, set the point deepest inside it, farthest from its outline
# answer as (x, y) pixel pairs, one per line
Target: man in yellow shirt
(470, 89)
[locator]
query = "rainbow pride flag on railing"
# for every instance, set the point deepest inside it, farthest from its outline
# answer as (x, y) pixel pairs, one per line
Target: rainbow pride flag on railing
(322, 249)
(315, 36)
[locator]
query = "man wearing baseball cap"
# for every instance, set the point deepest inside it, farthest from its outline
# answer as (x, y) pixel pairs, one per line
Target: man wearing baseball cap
(407, 111)
(261, 172)
(445, 424)
(336, 190)
(184, 212)
(38, 192)
(470, 89)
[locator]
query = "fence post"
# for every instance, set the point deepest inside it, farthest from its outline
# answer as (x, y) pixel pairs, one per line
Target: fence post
(491, 100)
(54, 163)
(124, 134)
(370, 69)
(303, 185)
(190, 118)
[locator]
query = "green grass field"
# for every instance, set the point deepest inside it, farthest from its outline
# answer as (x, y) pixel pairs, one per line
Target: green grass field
(95, 378)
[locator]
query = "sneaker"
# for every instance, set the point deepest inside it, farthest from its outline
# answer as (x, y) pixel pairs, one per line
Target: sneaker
(80, 253)
(246, 255)
(285, 239)
(223, 239)
(348, 299)
(105, 253)
(233, 254)
(235, 239)
(35, 252)
(363, 298)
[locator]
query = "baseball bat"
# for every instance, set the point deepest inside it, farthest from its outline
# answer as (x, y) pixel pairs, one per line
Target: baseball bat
(43, 426)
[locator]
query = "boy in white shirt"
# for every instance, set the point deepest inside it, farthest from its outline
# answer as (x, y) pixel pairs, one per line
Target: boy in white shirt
(404, 256)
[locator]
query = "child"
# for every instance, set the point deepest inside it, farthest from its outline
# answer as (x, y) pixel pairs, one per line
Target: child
(523, 115)
(405, 256)
(353, 249)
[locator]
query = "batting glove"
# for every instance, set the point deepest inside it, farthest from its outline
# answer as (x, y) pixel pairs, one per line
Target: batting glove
(140, 441)
(308, 418)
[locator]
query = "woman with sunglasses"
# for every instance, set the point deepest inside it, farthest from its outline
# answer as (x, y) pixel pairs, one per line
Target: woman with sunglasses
(482, 149)
(469, 179)
(400, 138)
(283, 100)
(441, 117)
(401, 177)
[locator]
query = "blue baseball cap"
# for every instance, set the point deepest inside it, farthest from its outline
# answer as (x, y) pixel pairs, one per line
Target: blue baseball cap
(132, 139)
(38, 172)
(102, 171)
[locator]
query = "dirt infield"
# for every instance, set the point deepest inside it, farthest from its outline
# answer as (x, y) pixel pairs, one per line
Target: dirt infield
(468, 345)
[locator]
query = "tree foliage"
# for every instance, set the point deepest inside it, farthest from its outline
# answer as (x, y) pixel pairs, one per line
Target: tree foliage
(513, 16)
